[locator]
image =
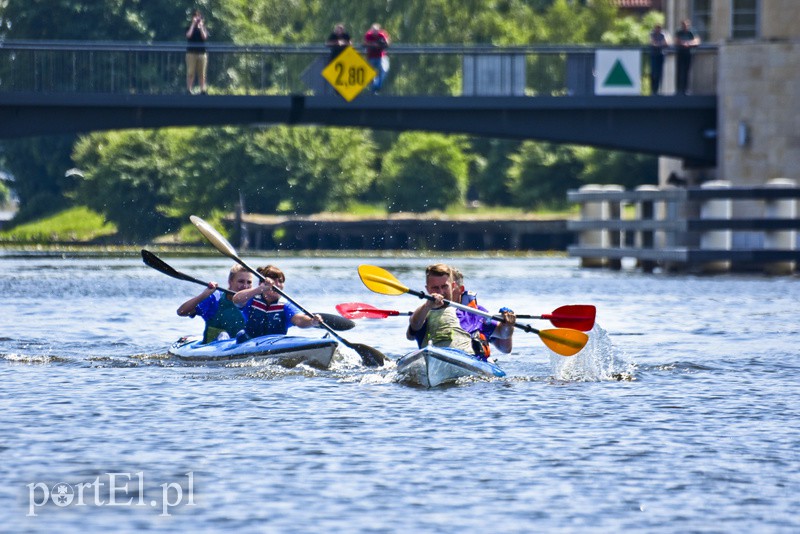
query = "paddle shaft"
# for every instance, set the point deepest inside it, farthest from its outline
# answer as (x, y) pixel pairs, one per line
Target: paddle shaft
(476, 311)
(576, 316)
(280, 292)
(151, 260)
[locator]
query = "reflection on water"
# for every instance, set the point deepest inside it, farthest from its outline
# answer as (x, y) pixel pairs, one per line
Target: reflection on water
(680, 414)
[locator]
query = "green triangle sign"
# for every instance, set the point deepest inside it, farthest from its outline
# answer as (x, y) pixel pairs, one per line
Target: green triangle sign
(618, 76)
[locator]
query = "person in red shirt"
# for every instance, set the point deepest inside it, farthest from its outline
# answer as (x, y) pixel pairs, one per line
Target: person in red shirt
(376, 41)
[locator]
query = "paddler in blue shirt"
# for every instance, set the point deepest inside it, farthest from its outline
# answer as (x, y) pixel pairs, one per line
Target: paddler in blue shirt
(223, 318)
(266, 315)
(482, 330)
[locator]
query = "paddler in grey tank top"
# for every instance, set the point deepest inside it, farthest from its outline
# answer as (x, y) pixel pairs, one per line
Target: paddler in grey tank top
(433, 323)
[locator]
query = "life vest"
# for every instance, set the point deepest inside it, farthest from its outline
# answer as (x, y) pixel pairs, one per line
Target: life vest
(444, 330)
(228, 318)
(470, 299)
(266, 319)
(480, 344)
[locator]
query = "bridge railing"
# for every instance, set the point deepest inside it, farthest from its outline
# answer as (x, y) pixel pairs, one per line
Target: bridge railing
(425, 70)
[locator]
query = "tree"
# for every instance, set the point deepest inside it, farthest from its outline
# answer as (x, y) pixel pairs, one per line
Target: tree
(212, 166)
(541, 174)
(39, 168)
(309, 169)
(488, 179)
(424, 172)
(5, 192)
(624, 168)
(126, 177)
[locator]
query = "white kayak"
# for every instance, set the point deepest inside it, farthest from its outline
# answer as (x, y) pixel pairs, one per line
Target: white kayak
(432, 366)
(285, 350)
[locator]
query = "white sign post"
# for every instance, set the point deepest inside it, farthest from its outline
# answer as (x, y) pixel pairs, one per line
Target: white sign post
(618, 72)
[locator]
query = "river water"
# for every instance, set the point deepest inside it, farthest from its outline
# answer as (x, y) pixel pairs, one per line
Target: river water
(681, 415)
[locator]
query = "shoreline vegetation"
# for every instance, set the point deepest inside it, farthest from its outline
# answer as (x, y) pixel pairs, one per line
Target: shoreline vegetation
(80, 230)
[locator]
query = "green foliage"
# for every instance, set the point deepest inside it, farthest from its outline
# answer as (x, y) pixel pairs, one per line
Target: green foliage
(126, 178)
(145, 181)
(39, 167)
(211, 166)
(625, 169)
(74, 224)
(632, 31)
(488, 182)
(424, 172)
(309, 169)
(541, 174)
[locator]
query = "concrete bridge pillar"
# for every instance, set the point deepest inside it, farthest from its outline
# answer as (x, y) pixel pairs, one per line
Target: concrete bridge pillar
(780, 239)
(717, 239)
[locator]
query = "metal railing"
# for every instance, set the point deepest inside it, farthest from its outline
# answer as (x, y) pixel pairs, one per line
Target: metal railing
(715, 227)
(425, 70)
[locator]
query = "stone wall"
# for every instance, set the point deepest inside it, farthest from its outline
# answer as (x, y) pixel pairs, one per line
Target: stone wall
(759, 107)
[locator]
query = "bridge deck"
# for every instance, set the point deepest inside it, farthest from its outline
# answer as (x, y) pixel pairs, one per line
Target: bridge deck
(616, 122)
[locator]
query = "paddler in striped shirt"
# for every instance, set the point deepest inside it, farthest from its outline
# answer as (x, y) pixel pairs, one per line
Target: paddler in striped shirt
(264, 312)
(223, 318)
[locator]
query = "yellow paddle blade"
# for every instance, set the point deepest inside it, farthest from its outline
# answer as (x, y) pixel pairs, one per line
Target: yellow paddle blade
(216, 239)
(380, 280)
(564, 341)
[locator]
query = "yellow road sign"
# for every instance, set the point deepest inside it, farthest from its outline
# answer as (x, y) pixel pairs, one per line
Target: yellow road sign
(349, 73)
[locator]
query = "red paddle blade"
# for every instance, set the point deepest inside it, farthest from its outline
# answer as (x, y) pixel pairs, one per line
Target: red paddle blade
(360, 310)
(575, 316)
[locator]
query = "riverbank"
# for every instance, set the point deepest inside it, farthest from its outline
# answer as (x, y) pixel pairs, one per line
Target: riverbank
(476, 231)
(414, 232)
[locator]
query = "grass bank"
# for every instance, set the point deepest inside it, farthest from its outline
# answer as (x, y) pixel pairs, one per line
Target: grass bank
(81, 226)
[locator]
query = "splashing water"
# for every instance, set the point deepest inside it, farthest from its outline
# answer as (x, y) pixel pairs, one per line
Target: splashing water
(599, 361)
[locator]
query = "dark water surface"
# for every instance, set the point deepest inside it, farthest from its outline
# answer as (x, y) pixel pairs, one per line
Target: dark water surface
(701, 435)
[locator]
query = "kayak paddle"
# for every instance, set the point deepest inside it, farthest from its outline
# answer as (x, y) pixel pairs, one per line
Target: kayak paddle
(563, 341)
(575, 316)
(370, 357)
(151, 260)
(360, 310)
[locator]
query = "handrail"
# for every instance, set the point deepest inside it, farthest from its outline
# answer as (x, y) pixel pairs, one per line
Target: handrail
(692, 193)
(307, 48)
(700, 227)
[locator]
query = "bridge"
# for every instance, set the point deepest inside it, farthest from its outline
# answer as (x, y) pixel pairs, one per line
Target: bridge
(541, 93)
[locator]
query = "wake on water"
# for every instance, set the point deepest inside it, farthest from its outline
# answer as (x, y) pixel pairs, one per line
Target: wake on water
(599, 361)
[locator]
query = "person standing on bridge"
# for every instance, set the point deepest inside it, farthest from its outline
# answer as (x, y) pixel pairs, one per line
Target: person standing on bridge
(658, 44)
(376, 41)
(685, 41)
(337, 41)
(196, 55)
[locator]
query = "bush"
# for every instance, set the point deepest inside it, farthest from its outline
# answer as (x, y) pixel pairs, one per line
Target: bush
(75, 224)
(424, 172)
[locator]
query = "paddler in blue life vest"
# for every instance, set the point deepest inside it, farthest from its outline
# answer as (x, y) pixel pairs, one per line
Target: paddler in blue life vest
(483, 331)
(264, 312)
(223, 318)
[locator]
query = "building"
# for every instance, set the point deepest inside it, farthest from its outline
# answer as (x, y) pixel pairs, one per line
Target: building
(757, 79)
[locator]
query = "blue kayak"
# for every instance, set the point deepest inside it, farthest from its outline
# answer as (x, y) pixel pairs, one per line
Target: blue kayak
(285, 350)
(432, 366)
